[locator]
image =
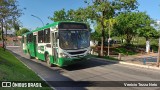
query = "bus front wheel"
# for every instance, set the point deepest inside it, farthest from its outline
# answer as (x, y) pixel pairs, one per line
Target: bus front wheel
(29, 55)
(48, 60)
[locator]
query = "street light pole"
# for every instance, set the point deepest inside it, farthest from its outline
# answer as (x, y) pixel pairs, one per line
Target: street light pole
(38, 18)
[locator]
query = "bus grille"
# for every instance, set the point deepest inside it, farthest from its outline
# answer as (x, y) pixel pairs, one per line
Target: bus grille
(79, 52)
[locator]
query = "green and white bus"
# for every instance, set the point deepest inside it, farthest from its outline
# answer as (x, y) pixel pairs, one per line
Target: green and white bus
(59, 43)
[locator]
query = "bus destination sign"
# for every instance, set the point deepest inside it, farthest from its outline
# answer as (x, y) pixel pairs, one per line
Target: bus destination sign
(72, 26)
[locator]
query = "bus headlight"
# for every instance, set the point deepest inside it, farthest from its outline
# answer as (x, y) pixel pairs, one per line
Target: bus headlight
(63, 55)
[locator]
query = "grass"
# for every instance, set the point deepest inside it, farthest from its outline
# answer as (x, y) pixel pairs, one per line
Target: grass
(140, 42)
(105, 57)
(11, 69)
(124, 51)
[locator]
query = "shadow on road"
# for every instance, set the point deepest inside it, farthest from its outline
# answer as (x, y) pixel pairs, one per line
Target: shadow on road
(88, 64)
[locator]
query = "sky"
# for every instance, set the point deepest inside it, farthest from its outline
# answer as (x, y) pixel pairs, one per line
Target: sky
(45, 8)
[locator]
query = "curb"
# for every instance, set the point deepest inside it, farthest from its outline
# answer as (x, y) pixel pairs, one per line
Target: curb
(132, 64)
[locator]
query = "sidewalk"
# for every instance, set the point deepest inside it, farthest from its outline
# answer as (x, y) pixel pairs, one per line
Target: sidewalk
(140, 60)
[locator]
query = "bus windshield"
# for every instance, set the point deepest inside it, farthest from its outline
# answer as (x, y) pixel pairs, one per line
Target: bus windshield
(73, 39)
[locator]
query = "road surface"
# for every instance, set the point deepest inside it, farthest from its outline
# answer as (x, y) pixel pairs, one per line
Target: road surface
(91, 70)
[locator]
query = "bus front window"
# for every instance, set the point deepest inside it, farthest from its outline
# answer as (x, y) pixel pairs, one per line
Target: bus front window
(75, 39)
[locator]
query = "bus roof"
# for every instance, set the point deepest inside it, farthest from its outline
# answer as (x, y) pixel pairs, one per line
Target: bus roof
(48, 26)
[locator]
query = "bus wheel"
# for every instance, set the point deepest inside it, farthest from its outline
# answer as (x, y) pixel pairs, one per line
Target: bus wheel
(29, 55)
(48, 60)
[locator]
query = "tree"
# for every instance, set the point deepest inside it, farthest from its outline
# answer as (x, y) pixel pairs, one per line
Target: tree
(147, 29)
(8, 12)
(101, 10)
(22, 31)
(95, 36)
(127, 25)
(109, 23)
(59, 16)
(131, 24)
(70, 15)
(16, 25)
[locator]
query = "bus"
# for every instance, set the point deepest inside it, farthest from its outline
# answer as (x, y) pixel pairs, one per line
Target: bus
(59, 43)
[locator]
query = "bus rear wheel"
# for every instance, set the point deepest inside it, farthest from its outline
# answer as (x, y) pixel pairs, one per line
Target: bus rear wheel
(48, 60)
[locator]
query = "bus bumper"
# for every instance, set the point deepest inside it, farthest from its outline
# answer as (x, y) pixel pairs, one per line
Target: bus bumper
(68, 61)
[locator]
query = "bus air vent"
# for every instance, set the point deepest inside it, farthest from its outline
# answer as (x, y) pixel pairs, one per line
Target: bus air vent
(79, 52)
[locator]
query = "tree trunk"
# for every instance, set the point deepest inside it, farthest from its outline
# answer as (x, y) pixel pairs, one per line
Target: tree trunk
(121, 40)
(128, 37)
(102, 41)
(109, 40)
(103, 36)
(6, 29)
(2, 34)
(128, 41)
(5, 39)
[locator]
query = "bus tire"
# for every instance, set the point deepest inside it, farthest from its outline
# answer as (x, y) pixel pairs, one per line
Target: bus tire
(48, 60)
(29, 55)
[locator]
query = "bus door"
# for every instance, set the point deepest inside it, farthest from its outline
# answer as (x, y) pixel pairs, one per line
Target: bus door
(35, 44)
(55, 46)
(24, 44)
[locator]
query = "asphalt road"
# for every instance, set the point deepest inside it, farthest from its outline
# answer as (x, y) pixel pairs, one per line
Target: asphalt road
(90, 71)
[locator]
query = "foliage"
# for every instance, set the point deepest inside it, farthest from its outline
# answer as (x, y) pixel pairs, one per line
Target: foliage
(95, 36)
(59, 16)
(22, 31)
(146, 30)
(9, 13)
(124, 51)
(16, 25)
(109, 24)
(130, 24)
(103, 10)
(98, 29)
(70, 15)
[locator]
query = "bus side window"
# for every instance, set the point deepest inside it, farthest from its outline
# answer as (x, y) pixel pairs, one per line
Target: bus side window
(40, 36)
(47, 35)
(55, 39)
